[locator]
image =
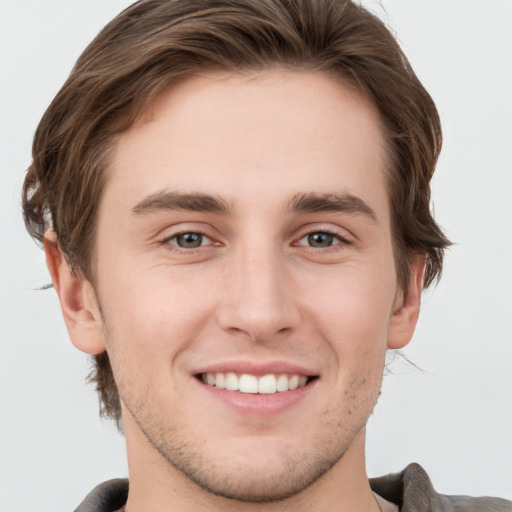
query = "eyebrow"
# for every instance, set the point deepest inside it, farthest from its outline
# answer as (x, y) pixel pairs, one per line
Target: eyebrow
(311, 202)
(169, 200)
(345, 203)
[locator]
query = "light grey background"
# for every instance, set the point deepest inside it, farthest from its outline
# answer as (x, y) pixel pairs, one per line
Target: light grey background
(455, 417)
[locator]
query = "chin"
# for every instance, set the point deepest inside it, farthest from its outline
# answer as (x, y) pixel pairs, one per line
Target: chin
(254, 469)
(244, 482)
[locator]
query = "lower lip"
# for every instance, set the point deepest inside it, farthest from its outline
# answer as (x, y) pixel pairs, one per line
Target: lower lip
(249, 404)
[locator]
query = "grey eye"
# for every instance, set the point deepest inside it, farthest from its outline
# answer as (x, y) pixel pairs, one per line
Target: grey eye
(190, 240)
(319, 240)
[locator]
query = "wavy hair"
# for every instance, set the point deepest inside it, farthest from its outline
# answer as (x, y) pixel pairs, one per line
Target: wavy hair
(155, 42)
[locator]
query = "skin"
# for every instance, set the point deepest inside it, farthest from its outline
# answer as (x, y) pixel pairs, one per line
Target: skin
(255, 291)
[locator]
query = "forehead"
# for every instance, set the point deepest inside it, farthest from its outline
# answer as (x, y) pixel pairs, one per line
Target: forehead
(267, 133)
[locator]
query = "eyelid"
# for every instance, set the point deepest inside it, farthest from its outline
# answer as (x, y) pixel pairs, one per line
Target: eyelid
(166, 241)
(335, 236)
(338, 240)
(188, 232)
(343, 235)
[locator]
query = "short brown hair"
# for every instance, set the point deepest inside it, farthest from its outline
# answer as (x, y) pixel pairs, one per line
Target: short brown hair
(153, 42)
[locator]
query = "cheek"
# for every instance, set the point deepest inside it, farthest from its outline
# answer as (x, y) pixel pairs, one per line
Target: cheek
(352, 313)
(354, 307)
(151, 319)
(154, 298)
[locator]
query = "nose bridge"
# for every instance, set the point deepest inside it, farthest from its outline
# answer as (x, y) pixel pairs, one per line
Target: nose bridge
(258, 297)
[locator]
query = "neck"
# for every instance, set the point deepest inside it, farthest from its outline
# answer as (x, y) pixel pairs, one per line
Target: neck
(153, 481)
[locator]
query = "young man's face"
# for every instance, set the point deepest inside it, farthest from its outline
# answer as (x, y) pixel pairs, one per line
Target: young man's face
(244, 232)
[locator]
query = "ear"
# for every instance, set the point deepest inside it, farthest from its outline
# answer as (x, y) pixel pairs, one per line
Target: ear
(77, 299)
(407, 307)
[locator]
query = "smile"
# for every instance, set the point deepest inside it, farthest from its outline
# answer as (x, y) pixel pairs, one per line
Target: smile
(247, 383)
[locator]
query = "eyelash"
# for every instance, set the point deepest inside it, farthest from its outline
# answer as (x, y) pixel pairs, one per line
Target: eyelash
(339, 240)
(168, 241)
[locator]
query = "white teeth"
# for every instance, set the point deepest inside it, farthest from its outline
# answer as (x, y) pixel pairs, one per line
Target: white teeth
(246, 383)
(267, 384)
(220, 380)
(282, 383)
(293, 382)
(231, 382)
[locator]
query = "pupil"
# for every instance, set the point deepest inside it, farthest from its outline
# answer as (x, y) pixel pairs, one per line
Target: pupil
(190, 240)
(320, 240)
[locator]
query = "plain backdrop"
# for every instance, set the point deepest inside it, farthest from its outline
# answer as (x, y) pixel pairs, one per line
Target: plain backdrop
(454, 417)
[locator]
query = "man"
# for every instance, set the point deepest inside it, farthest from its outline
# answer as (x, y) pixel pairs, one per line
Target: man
(234, 203)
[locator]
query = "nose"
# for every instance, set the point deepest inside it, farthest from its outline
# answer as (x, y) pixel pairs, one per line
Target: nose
(258, 300)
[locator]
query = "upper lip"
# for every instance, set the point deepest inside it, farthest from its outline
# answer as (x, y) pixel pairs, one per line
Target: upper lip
(257, 368)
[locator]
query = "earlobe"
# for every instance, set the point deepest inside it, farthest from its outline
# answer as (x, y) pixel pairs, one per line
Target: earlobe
(407, 308)
(77, 299)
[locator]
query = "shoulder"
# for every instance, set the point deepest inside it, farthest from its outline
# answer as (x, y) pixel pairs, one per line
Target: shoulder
(413, 491)
(106, 497)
